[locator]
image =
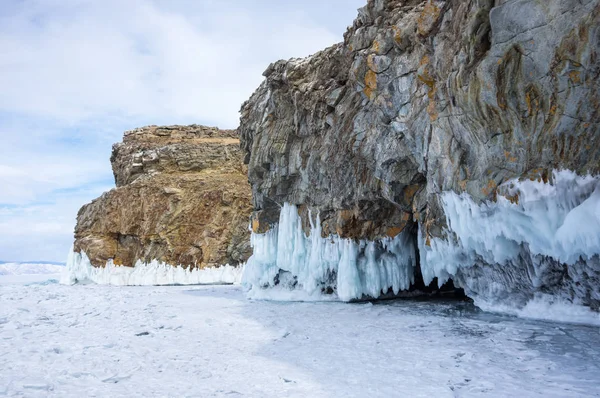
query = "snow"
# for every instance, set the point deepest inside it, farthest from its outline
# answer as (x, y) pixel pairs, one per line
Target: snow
(28, 278)
(210, 341)
(30, 269)
(286, 256)
(523, 243)
(28, 272)
(80, 270)
(547, 307)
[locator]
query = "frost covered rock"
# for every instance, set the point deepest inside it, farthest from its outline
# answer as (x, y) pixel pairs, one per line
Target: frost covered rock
(182, 198)
(424, 97)
(429, 108)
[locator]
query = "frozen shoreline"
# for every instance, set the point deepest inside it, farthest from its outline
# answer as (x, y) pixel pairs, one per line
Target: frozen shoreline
(80, 270)
(62, 341)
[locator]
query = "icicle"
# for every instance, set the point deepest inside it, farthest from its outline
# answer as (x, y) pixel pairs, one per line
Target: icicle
(505, 252)
(297, 261)
(80, 270)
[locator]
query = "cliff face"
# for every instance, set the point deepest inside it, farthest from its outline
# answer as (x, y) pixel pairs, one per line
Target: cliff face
(430, 97)
(182, 198)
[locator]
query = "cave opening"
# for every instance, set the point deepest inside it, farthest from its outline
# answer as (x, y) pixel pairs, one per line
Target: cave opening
(420, 290)
(447, 290)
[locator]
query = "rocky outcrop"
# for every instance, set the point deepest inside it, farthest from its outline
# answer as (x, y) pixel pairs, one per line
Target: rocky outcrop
(425, 97)
(182, 198)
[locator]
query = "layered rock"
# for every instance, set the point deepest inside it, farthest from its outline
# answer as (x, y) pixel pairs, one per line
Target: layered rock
(425, 97)
(181, 198)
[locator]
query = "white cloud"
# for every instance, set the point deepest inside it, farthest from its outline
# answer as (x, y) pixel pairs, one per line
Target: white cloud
(74, 60)
(42, 231)
(76, 73)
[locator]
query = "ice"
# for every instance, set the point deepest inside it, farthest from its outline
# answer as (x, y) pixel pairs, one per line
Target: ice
(286, 257)
(26, 273)
(505, 252)
(549, 308)
(538, 240)
(156, 273)
(211, 341)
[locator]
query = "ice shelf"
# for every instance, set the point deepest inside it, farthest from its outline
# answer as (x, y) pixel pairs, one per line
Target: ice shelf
(80, 270)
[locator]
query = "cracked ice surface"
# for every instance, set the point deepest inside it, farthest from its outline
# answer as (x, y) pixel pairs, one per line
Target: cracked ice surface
(73, 341)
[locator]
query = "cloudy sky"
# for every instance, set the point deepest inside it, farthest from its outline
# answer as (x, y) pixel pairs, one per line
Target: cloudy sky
(75, 74)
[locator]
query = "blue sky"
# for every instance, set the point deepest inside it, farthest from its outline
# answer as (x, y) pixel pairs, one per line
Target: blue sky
(75, 74)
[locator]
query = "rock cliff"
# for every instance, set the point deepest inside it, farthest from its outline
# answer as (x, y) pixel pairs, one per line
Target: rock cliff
(181, 198)
(426, 99)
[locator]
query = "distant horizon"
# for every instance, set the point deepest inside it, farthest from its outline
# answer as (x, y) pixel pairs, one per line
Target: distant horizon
(33, 262)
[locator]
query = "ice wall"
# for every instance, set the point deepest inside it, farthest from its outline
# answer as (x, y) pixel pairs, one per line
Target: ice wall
(80, 270)
(544, 243)
(287, 259)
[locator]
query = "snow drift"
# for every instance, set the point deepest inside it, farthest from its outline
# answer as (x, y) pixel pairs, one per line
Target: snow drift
(80, 270)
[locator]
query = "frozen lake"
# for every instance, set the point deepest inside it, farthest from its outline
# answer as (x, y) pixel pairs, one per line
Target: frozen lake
(73, 341)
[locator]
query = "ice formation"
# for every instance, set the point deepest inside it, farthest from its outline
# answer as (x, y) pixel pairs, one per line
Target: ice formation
(506, 252)
(80, 270)
(286, 258)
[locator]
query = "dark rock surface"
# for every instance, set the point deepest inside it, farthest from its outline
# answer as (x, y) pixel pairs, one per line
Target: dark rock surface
(424, 97)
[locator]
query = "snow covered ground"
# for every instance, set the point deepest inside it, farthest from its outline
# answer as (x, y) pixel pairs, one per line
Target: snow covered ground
(29, 272)
(211, 341)
(30, 269)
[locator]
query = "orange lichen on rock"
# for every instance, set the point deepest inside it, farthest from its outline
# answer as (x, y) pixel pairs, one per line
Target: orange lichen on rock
(514, 199)
(397, 34)
(395, 231)
(428, 18)
(510, 158)
(575, 76)
(376, 46)
(489, 188)
(255, 225)
(370, 84)
(425, 77)
(409, 193)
